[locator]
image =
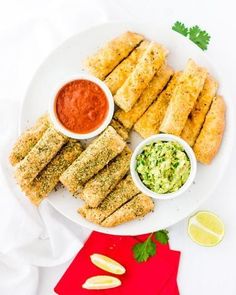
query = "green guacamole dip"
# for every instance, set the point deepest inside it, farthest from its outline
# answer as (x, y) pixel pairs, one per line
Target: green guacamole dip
(163, 166)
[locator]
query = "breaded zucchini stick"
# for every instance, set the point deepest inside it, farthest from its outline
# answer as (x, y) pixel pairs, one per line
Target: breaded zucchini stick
(48, 178)
(118, 76)
(154, 88)
(198, 114)
(150, 62)
(184, 97)
(108, 57)
(123, 192)
(138, 206)
(210, 137)
(28, 140)
(98, 187)
(150, 121)
(39, 156)
(96, 156)
(120, 129)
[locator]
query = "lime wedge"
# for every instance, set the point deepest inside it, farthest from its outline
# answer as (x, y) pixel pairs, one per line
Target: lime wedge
(206, 228)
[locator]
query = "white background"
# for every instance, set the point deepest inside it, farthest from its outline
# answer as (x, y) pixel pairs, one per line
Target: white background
(29, 30)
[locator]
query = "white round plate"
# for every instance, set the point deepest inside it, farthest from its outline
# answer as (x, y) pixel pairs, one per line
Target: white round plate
(67, 60)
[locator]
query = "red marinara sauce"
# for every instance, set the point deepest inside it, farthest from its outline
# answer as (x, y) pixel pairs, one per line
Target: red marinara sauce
(81, 106)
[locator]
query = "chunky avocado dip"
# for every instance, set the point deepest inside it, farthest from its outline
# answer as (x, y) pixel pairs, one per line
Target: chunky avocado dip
(163, 166)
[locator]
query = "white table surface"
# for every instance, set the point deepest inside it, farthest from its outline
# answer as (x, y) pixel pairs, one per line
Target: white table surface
(204, 271)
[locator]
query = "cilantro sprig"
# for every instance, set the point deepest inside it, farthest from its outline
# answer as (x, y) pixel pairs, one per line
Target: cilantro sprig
(198, 36)
(162, 236)
(180, 28)
(144, 250)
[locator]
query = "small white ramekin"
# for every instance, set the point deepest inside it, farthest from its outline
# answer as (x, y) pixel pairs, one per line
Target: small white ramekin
(52, 110)
(163, 137)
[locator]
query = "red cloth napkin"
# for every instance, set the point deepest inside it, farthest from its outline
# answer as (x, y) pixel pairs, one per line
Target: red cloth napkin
(171, 287)
(157, 276)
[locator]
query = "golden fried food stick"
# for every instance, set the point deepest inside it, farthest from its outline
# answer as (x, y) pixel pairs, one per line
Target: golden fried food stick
(184, 97)
(198, 114)
(210, 137)
(123, 192)
(120, 129)
(150, 121)
(28, 140)
(118, 76)
(154, 88)
(96, 156)
(98, 187)
(147, 66)
(48, 178)
(39, 156)
(108, 57)
(137, 207)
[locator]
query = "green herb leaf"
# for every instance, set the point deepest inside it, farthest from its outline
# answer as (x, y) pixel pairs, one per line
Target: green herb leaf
(199, 37)
(180, 28)
(142, 251)
(196, 35)
(162, 236)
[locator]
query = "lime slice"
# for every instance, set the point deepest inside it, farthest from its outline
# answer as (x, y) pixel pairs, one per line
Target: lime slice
(206, 228)
(101, 282)
(107, 264)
